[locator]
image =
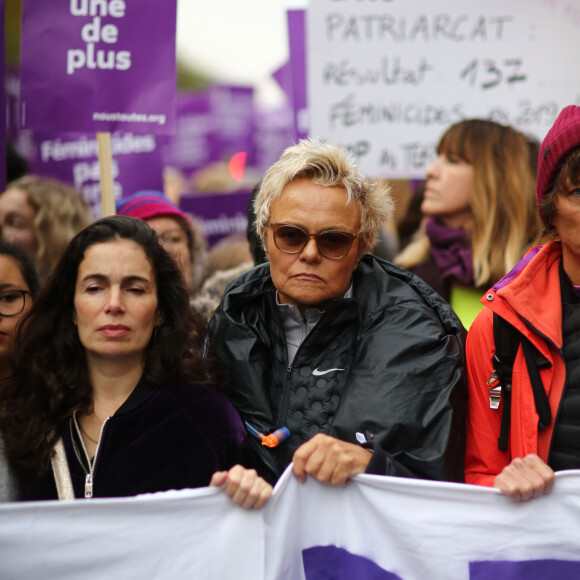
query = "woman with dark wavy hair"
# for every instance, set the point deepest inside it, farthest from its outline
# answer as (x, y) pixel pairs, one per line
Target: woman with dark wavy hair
(110, 375)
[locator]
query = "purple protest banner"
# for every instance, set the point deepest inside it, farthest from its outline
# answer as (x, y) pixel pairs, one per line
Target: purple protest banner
(297, 42)
(233, 108)
(2, 102)
(219, 214)
(73, 158)
(212, 125)
(274, 131)
(194, 144)
(98, 65)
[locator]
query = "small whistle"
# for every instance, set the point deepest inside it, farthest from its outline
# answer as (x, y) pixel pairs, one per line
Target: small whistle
(275, 438)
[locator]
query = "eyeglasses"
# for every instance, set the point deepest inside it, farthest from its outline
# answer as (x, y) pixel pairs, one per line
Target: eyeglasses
(12, 302)
(331, 244)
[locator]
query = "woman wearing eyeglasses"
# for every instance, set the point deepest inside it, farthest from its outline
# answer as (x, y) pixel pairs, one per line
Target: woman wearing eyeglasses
(19, 285)
(338, 361)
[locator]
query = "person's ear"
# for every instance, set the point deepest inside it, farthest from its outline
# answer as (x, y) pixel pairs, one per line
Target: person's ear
(363, 248)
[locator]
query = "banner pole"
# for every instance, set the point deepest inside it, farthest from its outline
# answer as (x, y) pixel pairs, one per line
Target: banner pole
(106, 173)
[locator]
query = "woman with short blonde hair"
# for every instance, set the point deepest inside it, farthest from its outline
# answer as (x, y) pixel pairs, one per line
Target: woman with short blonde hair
(330, 166)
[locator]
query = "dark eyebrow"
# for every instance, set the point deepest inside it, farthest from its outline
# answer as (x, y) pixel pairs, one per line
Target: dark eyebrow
(131, 279)
(10, 287)
(15, 212)
(126, 279)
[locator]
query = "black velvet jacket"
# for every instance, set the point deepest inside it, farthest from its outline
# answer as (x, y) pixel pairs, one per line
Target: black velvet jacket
(159, 439)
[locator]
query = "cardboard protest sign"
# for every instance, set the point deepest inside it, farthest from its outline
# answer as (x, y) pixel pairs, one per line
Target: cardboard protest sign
(387, 77)
(98, 65)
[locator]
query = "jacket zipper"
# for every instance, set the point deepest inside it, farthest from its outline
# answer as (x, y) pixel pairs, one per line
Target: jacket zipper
(289, 367)
(555, 419)
(90, 474)
(560, 351)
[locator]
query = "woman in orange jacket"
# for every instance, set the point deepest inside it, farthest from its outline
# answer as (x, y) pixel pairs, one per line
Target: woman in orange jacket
(540, 298)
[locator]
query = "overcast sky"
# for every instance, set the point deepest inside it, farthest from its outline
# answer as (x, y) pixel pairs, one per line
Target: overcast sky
(236, 41)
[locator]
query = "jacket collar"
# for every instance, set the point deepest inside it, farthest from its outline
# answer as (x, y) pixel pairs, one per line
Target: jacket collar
(529, 295)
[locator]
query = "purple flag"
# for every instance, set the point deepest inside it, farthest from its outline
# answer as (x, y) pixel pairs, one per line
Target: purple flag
(98, 65)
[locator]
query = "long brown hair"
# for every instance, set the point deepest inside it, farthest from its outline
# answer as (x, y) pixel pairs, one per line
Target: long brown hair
(505, 221)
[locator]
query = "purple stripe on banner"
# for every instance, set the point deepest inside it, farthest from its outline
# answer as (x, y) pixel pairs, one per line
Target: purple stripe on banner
(332, 563)
(526, 570)
(517, 268)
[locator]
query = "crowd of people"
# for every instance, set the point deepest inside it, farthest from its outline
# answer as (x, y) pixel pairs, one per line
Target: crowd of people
(124, 371)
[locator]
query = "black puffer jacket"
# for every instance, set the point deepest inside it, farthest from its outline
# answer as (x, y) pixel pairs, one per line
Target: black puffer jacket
(385, 366)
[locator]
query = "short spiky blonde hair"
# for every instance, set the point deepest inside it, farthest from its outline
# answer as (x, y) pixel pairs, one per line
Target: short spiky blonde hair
(331, 166)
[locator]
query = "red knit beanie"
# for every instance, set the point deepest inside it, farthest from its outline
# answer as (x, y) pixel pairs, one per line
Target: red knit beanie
(148, 204)
(562, 139)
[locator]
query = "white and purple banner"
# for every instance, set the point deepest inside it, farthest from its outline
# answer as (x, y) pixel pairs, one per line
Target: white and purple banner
(377, 528)
(98, 65)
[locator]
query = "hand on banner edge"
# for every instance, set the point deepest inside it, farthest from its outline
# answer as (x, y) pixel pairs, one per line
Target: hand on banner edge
(244, 486)
(525, 478)
(330, 460)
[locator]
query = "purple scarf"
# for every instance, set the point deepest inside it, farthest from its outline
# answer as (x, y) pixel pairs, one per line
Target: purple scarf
(451, 250)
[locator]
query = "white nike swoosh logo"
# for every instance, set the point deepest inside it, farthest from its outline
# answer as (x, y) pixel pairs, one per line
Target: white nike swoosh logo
(318, 373)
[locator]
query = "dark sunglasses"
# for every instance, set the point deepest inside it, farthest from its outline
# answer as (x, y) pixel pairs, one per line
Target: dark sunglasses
(331, 244)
